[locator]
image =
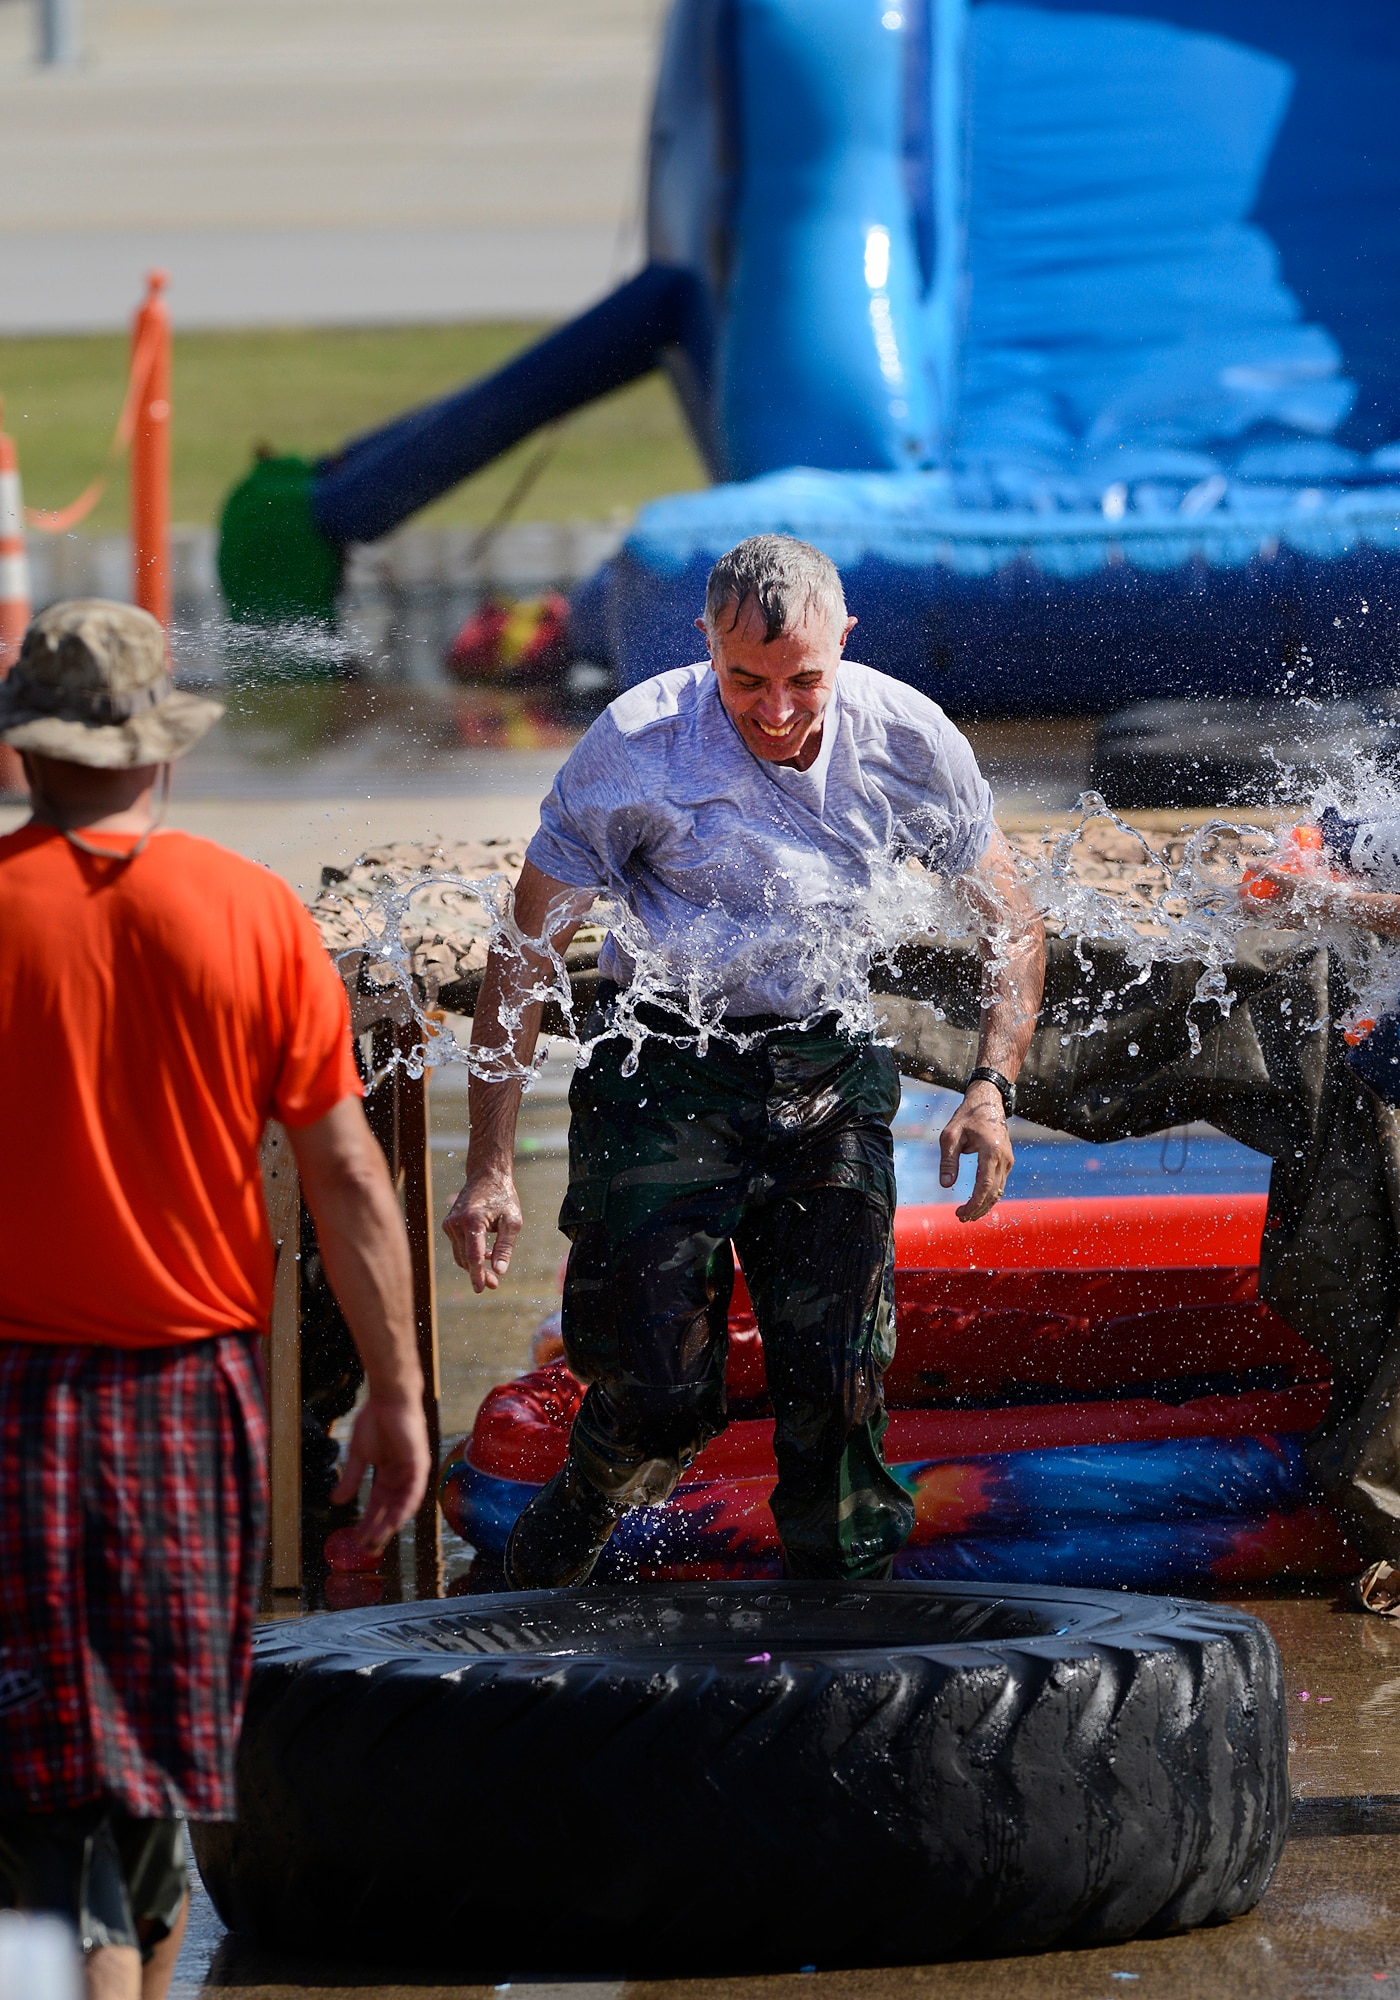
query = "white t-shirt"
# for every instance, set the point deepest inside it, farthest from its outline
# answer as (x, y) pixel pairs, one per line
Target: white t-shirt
(751, 881)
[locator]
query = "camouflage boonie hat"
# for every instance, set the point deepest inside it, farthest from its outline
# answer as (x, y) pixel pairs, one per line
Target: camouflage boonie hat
(91, 686)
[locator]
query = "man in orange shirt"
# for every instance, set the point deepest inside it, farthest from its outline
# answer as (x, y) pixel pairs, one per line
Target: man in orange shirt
(161, 999)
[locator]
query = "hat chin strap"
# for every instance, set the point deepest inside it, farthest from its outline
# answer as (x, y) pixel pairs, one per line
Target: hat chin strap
(109, 854)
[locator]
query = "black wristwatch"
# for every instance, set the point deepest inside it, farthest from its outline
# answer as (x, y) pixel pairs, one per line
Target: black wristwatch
(984, 1073)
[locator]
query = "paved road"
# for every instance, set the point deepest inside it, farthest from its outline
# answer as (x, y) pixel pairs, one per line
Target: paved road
(323, 160)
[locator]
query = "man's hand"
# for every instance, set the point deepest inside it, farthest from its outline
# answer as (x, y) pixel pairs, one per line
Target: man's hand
(487, 1206)
(390, 1435)
(1310, 901)
(1298, 899)
(978, 1126)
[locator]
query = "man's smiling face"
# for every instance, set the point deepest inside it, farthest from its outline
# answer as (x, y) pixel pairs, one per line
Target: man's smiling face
(775, 692)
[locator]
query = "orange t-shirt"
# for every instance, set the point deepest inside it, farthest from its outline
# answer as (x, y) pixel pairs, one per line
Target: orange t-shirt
(153, 1016)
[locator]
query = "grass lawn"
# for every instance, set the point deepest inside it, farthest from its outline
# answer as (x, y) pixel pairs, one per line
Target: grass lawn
(306, 390)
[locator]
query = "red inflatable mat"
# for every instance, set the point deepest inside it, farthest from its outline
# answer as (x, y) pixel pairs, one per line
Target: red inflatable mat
(1051, 1323)
(1117, 1232)
(1018, 1348)
(522, 1428)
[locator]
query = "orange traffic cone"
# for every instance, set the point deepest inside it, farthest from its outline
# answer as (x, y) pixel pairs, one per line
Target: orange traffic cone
(14, 591)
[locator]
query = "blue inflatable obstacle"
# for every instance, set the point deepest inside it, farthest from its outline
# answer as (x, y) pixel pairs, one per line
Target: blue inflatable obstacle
(1068, 329)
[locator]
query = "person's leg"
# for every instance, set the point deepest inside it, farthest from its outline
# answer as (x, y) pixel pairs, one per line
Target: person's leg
(113, 1972)
(656, 1173)
(645, 1325)
(154, 1861)
(159, 1968)
(131, 1536)
(819, 1267)
(71, 1865)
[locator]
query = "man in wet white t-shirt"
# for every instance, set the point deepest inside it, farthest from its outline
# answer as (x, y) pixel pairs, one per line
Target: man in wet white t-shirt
(754, 816)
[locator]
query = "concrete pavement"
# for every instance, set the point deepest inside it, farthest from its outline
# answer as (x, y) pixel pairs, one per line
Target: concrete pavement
(323, 161)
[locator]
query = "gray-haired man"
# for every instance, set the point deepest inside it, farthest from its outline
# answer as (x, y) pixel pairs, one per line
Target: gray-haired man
(747, 811)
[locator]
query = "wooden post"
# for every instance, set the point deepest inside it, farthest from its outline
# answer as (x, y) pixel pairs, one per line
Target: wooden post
(417, 1170)
(282, 1191)
(398, 1116)
(150, 456)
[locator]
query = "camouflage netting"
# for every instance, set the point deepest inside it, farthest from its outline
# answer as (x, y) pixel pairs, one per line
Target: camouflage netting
(445, 930)
(1270, 1072)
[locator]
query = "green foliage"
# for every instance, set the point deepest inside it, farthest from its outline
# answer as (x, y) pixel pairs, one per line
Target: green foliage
(306, 390)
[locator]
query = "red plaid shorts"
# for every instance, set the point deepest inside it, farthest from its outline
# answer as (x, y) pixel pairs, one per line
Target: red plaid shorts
(133, 1510)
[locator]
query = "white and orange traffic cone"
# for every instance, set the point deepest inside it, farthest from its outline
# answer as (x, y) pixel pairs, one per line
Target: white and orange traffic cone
(14, 590)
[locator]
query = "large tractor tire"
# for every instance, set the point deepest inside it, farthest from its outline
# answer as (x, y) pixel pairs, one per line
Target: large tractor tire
(743, 1775)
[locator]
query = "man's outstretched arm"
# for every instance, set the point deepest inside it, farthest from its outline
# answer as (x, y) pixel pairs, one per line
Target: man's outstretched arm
(506, 1019)
(1013, 982)
(364, 1247)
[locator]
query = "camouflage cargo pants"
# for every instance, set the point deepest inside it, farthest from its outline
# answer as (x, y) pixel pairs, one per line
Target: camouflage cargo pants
(783, 1152)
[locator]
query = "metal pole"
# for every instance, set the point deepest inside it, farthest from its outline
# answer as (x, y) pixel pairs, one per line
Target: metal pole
(60, 33)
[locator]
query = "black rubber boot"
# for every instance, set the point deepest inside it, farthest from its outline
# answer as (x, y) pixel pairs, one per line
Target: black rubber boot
(561, 1534)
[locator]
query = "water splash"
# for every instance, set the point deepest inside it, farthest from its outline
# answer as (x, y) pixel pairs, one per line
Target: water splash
(1178, 905)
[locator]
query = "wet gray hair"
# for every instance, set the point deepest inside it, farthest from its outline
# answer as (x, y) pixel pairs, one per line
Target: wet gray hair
(785, 578)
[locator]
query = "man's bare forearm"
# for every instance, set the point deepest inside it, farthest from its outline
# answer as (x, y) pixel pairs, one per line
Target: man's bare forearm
(1013, 981)
(494, 1107)
(1308, 902)
(1013, 978)
(505, 1030)
(507, 1016)
(1013, 960)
